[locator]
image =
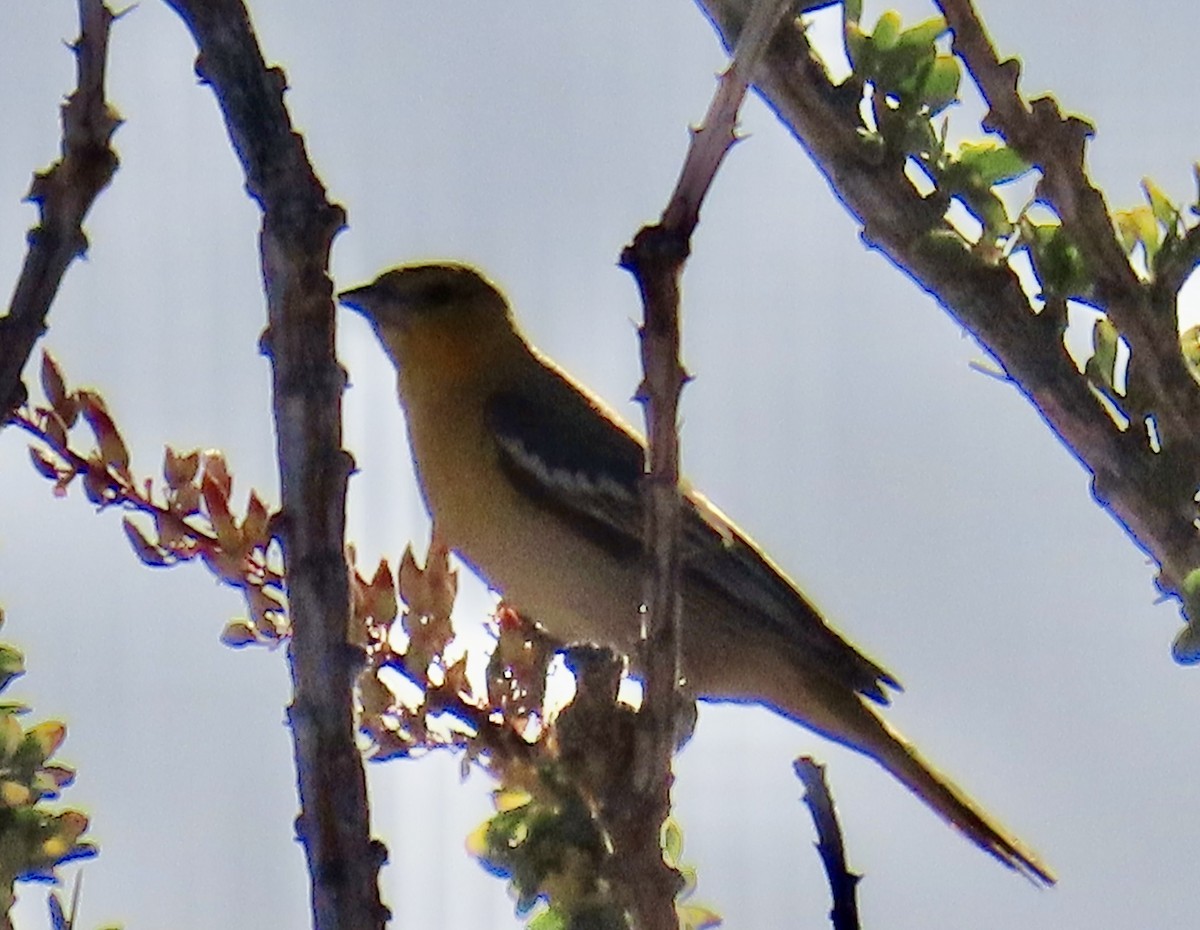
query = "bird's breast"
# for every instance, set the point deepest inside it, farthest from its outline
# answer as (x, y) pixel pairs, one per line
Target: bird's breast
(532, 556)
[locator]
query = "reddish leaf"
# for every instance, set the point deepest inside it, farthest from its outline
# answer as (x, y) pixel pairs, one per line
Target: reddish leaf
(238, 633)
(216, 501)
(217, 470)
(429, 591)
(228, 568)
(375, 696)
(97, 485)
(112, 447)
(185, 500)
(254, 527)
(56, 429)
(146, 551)
(266, 611)
(180, 470)
(380, 601)
(46, 467)
(52, 383)
(60, 775)
(174, 534)
(456, 677)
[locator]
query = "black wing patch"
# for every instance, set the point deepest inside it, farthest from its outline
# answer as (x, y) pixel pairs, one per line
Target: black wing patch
(565, 451)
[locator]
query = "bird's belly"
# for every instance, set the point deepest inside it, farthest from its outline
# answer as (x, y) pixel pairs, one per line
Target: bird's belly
(577, 591)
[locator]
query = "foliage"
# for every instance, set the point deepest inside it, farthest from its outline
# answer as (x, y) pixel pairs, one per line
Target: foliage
(557, 771)
(34, 839)
(190, 514)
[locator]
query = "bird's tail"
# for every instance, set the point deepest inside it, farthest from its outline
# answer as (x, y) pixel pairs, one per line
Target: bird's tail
(896, 754)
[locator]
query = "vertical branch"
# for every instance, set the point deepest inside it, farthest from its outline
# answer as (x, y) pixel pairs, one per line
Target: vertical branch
(297, 231)
(63, 195)
(656, 258)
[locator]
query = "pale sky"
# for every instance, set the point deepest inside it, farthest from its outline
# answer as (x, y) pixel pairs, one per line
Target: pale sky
(835, 415)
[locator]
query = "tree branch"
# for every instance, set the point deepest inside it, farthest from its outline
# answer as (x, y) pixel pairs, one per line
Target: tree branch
(656, 258)
(298, 228)
(1149, 493)
(1054, 143)
(63, 195)
(843, 884)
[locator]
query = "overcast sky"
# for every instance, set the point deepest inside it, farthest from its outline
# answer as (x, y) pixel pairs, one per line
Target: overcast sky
(835, 414)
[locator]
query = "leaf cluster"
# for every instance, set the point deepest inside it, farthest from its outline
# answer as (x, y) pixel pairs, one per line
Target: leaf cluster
(187, 516)
(557, 772)
(35, 839)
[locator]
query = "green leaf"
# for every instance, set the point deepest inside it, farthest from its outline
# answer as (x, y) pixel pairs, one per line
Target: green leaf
(1164, 211)
(11, 735)
(698, 917)
(1186, 648)
(1057, 261)
(941, 84)
(923, 34)
(987, 207)
(887, 31)
(1104, 351)
(990, 162)
(1189, 343)
(1139, 227)
(548, 919)
(12, 664)
(672, 843)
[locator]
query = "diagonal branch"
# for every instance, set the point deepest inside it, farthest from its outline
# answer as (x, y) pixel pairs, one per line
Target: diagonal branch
(298, 228)
(63, 195)
(1150, 495)
(1054, 143)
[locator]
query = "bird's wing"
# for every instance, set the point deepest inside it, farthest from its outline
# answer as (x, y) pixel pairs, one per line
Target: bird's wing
(567, 452)
(723, 561)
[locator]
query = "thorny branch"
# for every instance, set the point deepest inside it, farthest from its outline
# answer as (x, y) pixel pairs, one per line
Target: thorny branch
(843, 884)
(656, 258)
(298, 228)
(1151, 492)
(63, 195)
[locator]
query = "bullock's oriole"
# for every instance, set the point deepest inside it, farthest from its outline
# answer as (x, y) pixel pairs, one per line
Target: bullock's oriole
(534, 482)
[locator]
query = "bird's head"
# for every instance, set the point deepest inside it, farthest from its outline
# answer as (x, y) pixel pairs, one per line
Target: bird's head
(443, 314)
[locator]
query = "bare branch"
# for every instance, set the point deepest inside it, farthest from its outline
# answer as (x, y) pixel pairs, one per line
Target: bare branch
(299, 224)
(63, 195)
(656, 258)
(843, 884)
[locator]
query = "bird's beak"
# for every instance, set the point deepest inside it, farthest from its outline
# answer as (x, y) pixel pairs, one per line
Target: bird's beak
(357, 299)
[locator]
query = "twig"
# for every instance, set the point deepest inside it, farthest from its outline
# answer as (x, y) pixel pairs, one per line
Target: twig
(298, 228)
(656, 259)
(63, 195)
(843, 884)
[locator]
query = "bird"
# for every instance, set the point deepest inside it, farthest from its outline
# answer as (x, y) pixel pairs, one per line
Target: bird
(534, 482)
